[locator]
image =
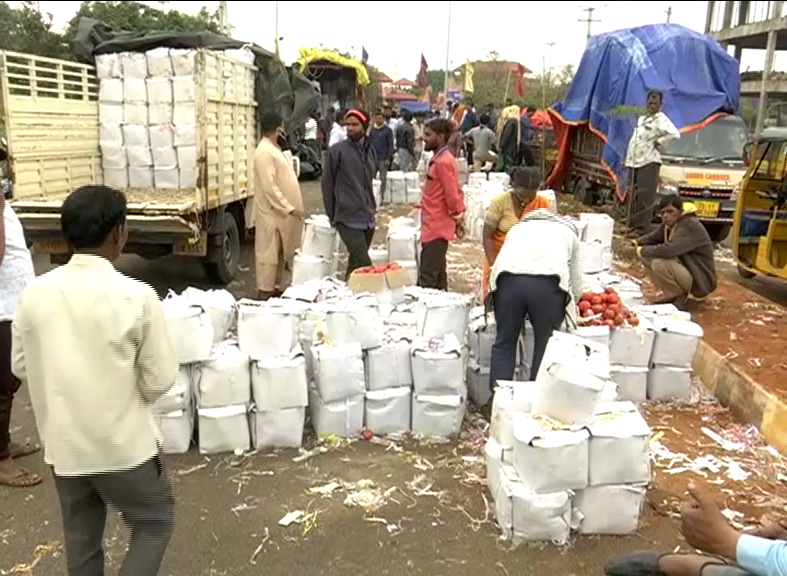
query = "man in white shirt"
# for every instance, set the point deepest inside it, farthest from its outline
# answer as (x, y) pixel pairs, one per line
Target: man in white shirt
(536, 275)
(93, 347)
(338, 131)
(16, 272)
(653, 134)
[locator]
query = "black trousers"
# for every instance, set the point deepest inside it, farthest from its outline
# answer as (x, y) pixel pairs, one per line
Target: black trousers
(516, 298)
(433, 271)
(357, 243)
(645, 185)
(143, 495)
(9, 384)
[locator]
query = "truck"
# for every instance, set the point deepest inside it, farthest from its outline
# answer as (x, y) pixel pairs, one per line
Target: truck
(51, 119)
(595, 122)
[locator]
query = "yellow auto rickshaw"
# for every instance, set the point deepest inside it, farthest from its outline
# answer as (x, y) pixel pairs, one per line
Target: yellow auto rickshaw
(760, 222)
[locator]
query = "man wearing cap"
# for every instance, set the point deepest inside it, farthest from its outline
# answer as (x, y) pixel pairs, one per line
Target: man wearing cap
(347, 189)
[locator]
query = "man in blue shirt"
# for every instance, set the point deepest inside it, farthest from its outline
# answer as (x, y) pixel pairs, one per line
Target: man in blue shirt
(381, 138)
(728, 552)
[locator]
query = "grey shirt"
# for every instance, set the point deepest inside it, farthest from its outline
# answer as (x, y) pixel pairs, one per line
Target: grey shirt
(483, 138)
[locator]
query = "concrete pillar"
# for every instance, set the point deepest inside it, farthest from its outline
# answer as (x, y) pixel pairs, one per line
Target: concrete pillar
(770, 55)
(728, 8)
(709, 16)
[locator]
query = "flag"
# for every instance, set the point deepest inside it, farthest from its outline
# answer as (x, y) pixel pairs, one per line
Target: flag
(423, 73)
(364, 56)
(469, 76)
(520, 80)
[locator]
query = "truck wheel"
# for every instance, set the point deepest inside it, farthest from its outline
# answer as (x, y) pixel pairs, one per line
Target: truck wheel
(718, 231)
(744, 273)
(221, 263)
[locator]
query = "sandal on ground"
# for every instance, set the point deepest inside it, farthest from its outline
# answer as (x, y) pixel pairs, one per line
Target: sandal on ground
(24, 479)
(646, 563)
(20, 450)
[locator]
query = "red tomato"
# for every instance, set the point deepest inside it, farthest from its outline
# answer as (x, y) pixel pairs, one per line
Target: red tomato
(609, 314)
(584, 305)
(613, 308)
(613, 298)
(610, 290)
(610, 323)
(619, 319)
(596, 300)
(587, 313)
(597, 308)
(587, 296)
(633, 321)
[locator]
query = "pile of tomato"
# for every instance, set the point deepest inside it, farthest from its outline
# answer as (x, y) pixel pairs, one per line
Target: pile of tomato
(380, 269)
(605, 309)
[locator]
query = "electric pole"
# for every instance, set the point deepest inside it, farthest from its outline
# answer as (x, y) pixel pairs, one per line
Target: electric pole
(548, 76)
(669, 13)
(224, 21)
(589, 20)
(276, 29)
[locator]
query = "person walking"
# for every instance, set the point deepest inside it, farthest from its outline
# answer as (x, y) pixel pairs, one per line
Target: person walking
(93, 347)
(536, 275)
(16, 272)
(347, 190)
(278, 211)
(483, 138)
(442, 206)
(381, 138)
(405, 142)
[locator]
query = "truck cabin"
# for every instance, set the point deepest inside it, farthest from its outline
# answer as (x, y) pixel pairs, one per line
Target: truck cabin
(761, 211)
(339, 85)
(718, 144)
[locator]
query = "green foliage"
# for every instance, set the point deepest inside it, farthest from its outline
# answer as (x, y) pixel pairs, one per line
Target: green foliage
(494, 87)
(626, 110)
(24, 29)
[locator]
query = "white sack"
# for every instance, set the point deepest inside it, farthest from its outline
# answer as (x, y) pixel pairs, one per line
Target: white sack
(140, 176)
(113, 157)
(185, 135)
(188, 178)
(610, 509)
(116, 177)
(599, 334)
(343, 418)
(278, 428)
(402, 244)
(338, 371)
(223, 379)
(676, 342)
(159, 90)
(438, 369)
(161, 136)
(164, 157)
(495, 456)
(280, 383)
(159, 63)
(187, 156)
(110, 135)
(632, 346)
(266, 329)
(159, 114)
(176, 429)
(437, 416)
(632, 383)
(357, 320)
(307, 268)
(437, 315)
(221, 306)
(501, 426)
(388, 366)
(669, 383)
(477, 379)
(177, 398)
(388, 411)
(599, 228)
(110, 113)
(135, 113)
(108, 66)
(134, 90)
(619, 446)
(184, 113)
(224, 430)
(190, 329)
(183, 61)
(481, 336)
(319, 238)
(184, 89)
(134, 65)
(110, 90)
(140, 157)
(591, 255)
(378, 256)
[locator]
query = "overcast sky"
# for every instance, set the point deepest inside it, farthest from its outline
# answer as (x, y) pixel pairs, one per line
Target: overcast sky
(396, 33)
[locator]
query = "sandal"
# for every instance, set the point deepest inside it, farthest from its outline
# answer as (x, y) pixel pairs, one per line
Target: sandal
(24, 479)
(20, 450)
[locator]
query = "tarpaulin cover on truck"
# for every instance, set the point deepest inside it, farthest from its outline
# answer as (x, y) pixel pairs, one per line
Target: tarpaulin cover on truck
(696, 75)
(285, 91)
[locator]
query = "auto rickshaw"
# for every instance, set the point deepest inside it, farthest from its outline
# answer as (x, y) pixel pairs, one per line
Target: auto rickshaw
(759, 239)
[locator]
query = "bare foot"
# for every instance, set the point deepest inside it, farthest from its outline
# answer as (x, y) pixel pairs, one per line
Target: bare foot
(14, 475)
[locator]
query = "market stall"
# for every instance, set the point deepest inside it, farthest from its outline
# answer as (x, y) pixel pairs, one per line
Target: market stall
(342, 80)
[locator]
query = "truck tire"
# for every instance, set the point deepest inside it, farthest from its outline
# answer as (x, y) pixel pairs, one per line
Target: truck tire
(745, 273)
(221, 263)
(718, 231)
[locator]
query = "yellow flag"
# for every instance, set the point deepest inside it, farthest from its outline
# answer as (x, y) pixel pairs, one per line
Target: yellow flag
(468, 76)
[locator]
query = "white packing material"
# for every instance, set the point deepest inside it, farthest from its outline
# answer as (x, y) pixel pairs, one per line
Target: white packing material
(501, 426)
(159, 90)
(411, 180)
(266, 329)
(477, 378)
(343, 418)
(280, 383)
(116, 178)
(571, 378)
(526, 516)
(378, 256)
(110, 135)
(402, 222)
(108, 66)
(354, 320)
(481, 335)
(183, 61)
(388, 365)
(307, 268)
(177, 428)
(610, 509)
(676, 342)
(189, 328)
(396, 186)
(438, 367)
(598, 334)
(437, 416)
(338, 371)
(139, 156)
(111, 91)
(135, 135)
(134, 90)
(319, 238)
(619, 450)
(135, 113)
(187, 157)
(632, 346)
(402, 244)
(224, 429)
(164, 157)
(547, 458)
(161, 136)
(134, 65)
(277, 428)
(159, 62)
(184, 113)
(160, 114)
(188, 177)
(179, 396)
(110, 113)
(442, 313)
(184, 89)
(669, 383)
(591, 255)
(221, 306)
(610, 392)
(140, 176)
(224, 378)
(411, 267)
(600, 227)
(632, 383)
(185, 135)
(494, 458)
(388, 411)
(113, 157)
(377, 191)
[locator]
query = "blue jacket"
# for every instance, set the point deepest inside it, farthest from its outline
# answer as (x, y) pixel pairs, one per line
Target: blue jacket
(382, 140)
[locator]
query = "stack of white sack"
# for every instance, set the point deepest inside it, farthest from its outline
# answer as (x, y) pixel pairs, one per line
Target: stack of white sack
(480, 190)
(402, 187)
(268, 332)
(388, 375)
(558, 458)
(196, 321)
(318, 252)
(596, 232)
(148, 113)
(404, 245)
(480, 339)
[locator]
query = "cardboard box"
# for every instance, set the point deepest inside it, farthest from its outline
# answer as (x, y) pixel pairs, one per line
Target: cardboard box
(388, 287)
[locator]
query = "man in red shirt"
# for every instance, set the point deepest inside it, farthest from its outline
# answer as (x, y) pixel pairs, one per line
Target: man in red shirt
(442, 206)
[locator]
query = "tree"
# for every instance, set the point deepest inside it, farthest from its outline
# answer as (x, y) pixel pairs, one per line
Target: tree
(25, 29)
(493, 55)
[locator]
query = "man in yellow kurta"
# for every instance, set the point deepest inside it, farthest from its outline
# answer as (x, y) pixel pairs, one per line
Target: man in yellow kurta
(278, 211)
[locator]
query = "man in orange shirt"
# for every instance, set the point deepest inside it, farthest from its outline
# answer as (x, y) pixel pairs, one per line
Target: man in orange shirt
(442, 206)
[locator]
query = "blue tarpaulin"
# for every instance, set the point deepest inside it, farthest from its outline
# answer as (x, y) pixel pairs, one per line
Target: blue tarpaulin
(414, 106)
(696, 75)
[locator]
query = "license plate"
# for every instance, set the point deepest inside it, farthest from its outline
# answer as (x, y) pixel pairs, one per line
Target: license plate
(50, 247)
(707, 209)
(192, 248)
